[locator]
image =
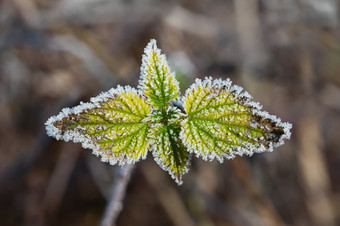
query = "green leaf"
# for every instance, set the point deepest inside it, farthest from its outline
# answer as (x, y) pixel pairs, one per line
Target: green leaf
(167, 148)
(111, 125)
(223, 122)
(157, 81)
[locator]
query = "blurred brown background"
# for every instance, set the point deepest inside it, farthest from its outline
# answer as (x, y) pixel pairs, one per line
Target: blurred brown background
(286, 53)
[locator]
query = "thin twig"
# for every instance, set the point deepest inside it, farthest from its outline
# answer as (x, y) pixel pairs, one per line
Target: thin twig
(115, 205)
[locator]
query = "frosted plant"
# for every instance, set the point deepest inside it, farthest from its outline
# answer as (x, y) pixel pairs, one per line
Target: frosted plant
(213, 120)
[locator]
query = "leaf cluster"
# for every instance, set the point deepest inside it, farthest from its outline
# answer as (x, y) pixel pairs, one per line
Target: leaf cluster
(213, 120)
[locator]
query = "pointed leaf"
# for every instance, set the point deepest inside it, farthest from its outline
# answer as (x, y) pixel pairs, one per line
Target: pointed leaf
(223, 121)
(167, 148)
(111, 125)
(157, 81)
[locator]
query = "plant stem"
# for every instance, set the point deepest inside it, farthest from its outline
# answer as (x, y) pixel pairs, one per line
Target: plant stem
(115, 204)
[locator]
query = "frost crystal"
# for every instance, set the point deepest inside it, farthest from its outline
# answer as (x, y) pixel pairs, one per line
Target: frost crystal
(223, 122)
(111, 125)
(157, 80)
(214, 120)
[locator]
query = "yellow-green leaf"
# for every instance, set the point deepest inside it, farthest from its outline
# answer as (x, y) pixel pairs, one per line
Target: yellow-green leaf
(157, 81)
(223, 122)
(167, 148)
(111, 125)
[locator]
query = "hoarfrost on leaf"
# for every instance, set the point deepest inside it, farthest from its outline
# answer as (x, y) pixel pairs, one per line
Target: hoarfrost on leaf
(223, 122)
(111, 125)
(157, 81)
(169, 151)
(214, 120)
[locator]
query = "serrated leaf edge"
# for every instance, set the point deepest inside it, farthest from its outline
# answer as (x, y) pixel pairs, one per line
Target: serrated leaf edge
(85, 140)
(152, 46)
(247, 101)
(159, 161)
